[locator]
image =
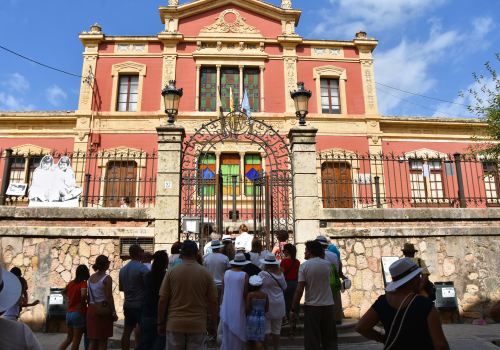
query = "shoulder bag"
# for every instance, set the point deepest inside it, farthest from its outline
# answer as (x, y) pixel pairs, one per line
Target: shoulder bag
(290, 269)
(335, 282)
(274, 278)
(102, 308)
(429, 288)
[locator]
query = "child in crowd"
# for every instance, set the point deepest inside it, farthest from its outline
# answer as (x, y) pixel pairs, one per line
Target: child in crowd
(256, 308)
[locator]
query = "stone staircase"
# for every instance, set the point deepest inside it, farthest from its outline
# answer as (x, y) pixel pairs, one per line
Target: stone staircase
(345, 331)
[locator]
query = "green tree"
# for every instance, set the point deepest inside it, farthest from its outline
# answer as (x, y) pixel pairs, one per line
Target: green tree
(486, 105)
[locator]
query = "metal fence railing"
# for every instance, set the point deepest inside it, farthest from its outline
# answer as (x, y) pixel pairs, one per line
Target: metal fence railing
(122, 177)
(352, 180)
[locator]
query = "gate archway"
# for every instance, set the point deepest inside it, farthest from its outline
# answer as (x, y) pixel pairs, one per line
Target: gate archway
(236, 169)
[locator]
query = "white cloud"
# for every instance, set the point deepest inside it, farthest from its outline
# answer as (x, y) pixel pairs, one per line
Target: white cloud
(346, 17)
(17, 82)
(408, 66)
(468, 99)
(55, 95)
(10, 103)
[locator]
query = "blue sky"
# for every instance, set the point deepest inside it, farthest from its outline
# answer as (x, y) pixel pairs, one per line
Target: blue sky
(428, 47)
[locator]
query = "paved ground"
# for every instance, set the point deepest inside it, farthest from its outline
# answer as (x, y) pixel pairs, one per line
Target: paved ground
(460, 337)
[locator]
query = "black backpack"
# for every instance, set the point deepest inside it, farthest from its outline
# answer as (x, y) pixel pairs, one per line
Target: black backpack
(430, 288)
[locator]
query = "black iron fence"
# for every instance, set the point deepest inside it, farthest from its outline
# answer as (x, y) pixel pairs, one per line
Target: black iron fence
(352, 180)
(118, 178)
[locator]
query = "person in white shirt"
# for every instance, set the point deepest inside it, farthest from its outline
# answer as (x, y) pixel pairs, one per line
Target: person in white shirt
(244, 239)
(333, 259)
(319, 322)
(217, 264)
(13, 335)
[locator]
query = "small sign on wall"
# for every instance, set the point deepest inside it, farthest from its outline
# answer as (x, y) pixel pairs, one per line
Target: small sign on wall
(168, 184)
(387, 261)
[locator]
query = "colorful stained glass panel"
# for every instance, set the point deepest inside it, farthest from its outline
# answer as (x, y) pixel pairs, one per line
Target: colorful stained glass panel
(208, 89)
(252, 87)
(229, 79)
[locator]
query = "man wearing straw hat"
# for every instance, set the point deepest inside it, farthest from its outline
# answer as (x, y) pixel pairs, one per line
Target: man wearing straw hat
(14, 335)
(217, 264)
(409, 252)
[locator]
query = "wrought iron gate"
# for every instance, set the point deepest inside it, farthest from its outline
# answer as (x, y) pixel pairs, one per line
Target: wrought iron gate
(214, 199)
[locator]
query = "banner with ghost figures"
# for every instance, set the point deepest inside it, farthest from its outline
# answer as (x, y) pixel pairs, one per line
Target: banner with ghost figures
(54, 185)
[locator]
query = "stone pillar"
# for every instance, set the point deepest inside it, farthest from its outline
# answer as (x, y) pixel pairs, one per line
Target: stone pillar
(168, 186)
(305, 184)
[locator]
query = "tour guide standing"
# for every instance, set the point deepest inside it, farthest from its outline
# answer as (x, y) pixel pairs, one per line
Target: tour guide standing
(188, 286)
(131, 283)
(217, 264)
(409, 252)
(319, 323)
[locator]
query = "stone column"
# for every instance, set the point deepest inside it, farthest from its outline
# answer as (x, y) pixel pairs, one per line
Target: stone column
(305, 184)
(168, 186)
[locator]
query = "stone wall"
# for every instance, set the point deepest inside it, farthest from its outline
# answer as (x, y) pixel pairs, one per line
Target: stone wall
(48, 244)
(459, 245)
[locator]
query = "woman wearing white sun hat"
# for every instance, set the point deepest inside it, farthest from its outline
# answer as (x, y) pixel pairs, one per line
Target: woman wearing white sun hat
(410, 321)
(274, 285)
(233, 301)
(14, 335)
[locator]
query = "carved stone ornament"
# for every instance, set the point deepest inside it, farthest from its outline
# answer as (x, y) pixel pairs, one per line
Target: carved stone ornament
(219, 45)
(173, 2)
(81, 135)
(242, 45)
(361, 34)
(198, 45)
(238, 26)
(96, 28)
(286, 4)
(375, 139)
(373, 123)
(262, 46)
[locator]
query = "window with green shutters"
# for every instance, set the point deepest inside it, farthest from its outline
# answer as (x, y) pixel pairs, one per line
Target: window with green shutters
(229, 79)
(207, 167)
(230, 165)
(252, 87)
(253, 168)
(208, 89)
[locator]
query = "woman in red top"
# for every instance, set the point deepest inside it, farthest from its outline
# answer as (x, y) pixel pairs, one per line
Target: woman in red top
(290, 267)
(76, 318)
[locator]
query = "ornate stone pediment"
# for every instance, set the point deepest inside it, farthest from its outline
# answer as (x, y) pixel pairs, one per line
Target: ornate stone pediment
(425, 153)
(29, 149)
(128, 67)
(221, 26)
(123, 154)
(333, 155)
(330, 72)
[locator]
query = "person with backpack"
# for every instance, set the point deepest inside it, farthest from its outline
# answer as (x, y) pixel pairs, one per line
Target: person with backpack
(335, 279)
(427, 288)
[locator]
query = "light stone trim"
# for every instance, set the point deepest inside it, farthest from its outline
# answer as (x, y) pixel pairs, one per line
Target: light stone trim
(86, 91)
(129, 48)
(369, 88)
(125, 68)
(327, 52)
(290, 64)
(335, 73)
(221, 26)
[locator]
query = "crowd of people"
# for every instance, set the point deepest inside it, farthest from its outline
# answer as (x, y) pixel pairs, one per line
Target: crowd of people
(238, 293)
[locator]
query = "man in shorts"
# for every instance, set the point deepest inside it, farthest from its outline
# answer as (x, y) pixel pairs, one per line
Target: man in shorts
(132, 277)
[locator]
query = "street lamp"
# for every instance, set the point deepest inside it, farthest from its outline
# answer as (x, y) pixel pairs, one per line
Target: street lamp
(301, 98)
(172, 97)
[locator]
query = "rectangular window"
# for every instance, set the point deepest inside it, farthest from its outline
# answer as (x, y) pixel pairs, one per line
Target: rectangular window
(17, 170)
(490, 171)
(330, 97)
(208, 89)
(34, 163)
(127, 93)
(336, 185)
(229, 79)
(253, 168)
(423, 187)
(121, 178)
(207, 167)
(252, 87)
(229, 166)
